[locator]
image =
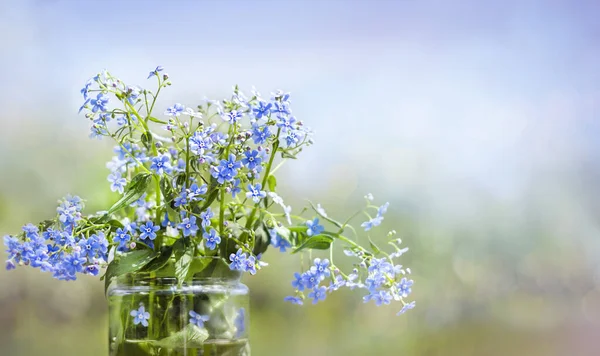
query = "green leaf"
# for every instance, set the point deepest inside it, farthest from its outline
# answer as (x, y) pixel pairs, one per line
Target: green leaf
(153, 119)
(198, 265)
(319, 242)
(374, 247)
(147, 140)
(301, 229)
(272, 182)
(190, 337)
(160, 260)
(183, 260)
(134, 190)
(334, 222)
(127, 263)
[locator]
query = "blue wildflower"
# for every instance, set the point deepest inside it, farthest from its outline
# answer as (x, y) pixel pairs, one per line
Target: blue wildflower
(230, 165)
(382, 209)
(293, 300)
(281, 108)
(314, 228)
(206, 216)
(279, 242)
(181, 199)
(86, 89)
(232, 117)
(195, 191)
(298, 282)
(122, 238)
(197, 319)
(92, 270)
(286, 123)
(380, 297)
(260, 134)
(212, 239)
(188, 226)
(155, 72)
(31, 231)
(321, 268)
(310, 279)
(406, 307)
(140, 316)
(99, 104)
(368, 225)
(262, 110)
(161, 164)
(318, 294)
(175, 110)
(238, 260)
(404, 287)
(10, 265)
(116, 182)
(73, 263)
(252, 159)
(293, 137)
(250, 265)
(222, 174)
(148, 231)
(255, 192)
(235, 187)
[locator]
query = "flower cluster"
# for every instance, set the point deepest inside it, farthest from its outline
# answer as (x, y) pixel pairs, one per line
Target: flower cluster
(198, 182)
(63, 248)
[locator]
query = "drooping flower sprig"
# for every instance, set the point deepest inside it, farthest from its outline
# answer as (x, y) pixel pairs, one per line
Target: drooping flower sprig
(198, 183)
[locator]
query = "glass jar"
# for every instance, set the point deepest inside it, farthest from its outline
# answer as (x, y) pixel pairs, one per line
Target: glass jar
(155, 315)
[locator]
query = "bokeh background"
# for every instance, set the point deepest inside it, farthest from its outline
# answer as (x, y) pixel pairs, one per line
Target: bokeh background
(477, 121)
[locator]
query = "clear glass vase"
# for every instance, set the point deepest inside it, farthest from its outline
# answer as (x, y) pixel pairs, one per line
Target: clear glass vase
(153, 314)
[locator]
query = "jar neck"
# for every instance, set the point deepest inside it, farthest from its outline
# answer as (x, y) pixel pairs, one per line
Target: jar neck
(148, 279)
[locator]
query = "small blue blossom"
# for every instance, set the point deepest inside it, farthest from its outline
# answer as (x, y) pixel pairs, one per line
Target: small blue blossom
(175, 110)
(212, 239)
(222, 174)
(117, 183)
(293, 138)
(99, 103)
(188, 226)
(121, 237)
(10, 265)
(235, 187)
(260, 134)
(252, 159)
(321, 268)
(161, 164)
(230, 165)
(31, 231)
(86, 89)
(206, 216)
(263, 109)
(73, 263)
(195, 191)
(368, 225)
(250, 265)
(298, 282)
(232, 117)
(293, 300)
(314, 228)
(380, 297)
(310, 279)
(286, 123)
(382, 209)
(140, 316)
(318, 294)
(255, 192)
(155, 72)
(404, 287)
(238, 260)
(279, 242)
(181, 199)
(281, 108)
(148, 231)
(197, 319)
(406, 307)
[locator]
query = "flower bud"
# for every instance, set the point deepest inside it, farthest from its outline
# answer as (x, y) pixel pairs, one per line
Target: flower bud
(165, 76)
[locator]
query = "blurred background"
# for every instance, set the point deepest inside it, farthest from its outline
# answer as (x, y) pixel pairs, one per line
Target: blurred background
(477, 121)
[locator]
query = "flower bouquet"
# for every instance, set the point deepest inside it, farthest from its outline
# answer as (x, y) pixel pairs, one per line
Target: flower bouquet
(197, 208)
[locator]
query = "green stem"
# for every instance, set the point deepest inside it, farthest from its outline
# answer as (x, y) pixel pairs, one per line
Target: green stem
(266, 176)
